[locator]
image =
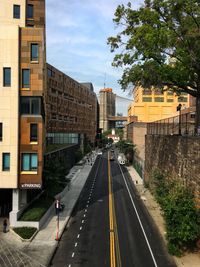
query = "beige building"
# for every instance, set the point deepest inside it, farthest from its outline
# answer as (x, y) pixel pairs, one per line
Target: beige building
(22, 83)
(152, 105)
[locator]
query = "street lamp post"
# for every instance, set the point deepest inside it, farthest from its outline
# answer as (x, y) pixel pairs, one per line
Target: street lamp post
(178, 108)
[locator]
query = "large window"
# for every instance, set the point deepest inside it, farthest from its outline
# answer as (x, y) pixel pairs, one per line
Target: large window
(6, 76)
(159, 99)
(25, 78)
(147, 99)
(6, 161)
(30, 11)
(33, 132)
(16, 11)
(182, 99)
(29, 162)
(1, 131)
(34, 52)
(30, 105)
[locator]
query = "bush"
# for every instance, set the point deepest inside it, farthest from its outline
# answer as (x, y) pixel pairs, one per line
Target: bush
(25, 232)
(181, 216)
(37, 209)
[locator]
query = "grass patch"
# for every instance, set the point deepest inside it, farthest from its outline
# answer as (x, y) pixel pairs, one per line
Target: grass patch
(25, 232)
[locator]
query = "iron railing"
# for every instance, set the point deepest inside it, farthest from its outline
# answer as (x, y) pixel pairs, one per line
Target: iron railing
(183, 124)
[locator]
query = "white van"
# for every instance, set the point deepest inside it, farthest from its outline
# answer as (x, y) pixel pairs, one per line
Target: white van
(121, 159)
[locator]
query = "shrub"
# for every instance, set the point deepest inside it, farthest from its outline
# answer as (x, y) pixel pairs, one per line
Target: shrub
(25, 232)
(181, 216)
(37, 209)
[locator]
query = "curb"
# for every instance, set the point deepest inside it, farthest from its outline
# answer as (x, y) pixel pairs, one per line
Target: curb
(65, 224)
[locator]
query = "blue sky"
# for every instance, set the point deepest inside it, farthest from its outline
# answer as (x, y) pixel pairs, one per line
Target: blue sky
(77, 32)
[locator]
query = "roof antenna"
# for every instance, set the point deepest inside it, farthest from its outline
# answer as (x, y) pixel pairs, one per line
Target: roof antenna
(104, 84)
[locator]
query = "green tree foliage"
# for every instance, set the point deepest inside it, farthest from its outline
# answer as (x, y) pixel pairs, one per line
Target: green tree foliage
(150, 38)
(181, 216)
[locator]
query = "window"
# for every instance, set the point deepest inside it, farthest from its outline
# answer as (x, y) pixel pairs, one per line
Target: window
(6, 76)
(147, 99)
(30, 11)
(34, 52)
(29, 162)
(159, 99)
(25, 78)
(6, 162)
(1, 131)
(33, 132)
(170, 100)
(170, 92)
(182, 99)
(30, 105)
(16, 11)
(146, 92)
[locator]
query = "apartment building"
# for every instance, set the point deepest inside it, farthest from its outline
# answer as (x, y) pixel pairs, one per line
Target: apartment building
(37, 102)
(22, 83)
(151, 105)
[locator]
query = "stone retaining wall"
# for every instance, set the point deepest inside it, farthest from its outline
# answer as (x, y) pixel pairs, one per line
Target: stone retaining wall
(177, 156)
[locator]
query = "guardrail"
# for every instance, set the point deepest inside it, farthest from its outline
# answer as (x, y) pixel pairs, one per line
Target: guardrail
(183, 124)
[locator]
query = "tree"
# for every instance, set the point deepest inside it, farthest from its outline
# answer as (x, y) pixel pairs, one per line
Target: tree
(159, 46)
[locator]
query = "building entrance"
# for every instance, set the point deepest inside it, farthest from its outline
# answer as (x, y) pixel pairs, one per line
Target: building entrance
(5, 202)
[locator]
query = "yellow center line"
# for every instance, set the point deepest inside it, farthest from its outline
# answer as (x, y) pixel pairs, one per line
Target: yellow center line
(112, 237)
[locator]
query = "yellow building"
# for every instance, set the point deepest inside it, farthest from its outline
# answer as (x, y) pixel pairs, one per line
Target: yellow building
(151, 105)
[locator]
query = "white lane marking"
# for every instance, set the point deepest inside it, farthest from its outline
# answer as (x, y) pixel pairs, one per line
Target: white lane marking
(138, 218)
(81, 228)
(76, 244)
(78, 235)
(73, 254)
(86, 206)
(82, 221)
(84, 215)
(69, 265)
(85, 210)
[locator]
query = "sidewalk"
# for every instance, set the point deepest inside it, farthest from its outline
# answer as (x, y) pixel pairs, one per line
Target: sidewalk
(187, 260)
(39, 251)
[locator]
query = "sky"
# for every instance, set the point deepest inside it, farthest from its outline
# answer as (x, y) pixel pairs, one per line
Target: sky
(77, 32)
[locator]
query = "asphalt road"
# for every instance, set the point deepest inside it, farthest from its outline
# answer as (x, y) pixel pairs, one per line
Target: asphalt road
(110, 225)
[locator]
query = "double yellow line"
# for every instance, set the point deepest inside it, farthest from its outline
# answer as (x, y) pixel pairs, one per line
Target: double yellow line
(115, 259)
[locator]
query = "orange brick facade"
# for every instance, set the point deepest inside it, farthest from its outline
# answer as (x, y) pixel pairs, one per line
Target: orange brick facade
(34, 33)
(70, 106)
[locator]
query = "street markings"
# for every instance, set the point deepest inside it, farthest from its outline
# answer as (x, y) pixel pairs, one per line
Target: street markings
(138, 217)
(115, 258)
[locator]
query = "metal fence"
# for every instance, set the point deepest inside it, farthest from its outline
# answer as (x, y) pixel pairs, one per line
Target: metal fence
(183, 124)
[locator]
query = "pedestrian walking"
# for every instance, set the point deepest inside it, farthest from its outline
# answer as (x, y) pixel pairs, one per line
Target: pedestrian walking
(5, 224)
(57, 206)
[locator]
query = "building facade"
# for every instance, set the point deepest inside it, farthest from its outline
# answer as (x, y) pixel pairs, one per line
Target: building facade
(70, 108)
(22, 83)
(36, 100)
(107, 108)
(151, 105)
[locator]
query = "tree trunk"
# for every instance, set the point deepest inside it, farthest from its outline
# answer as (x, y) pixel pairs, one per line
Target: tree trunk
(197, 118)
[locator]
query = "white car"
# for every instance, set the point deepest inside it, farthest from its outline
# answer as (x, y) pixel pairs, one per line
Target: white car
(99, 153)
